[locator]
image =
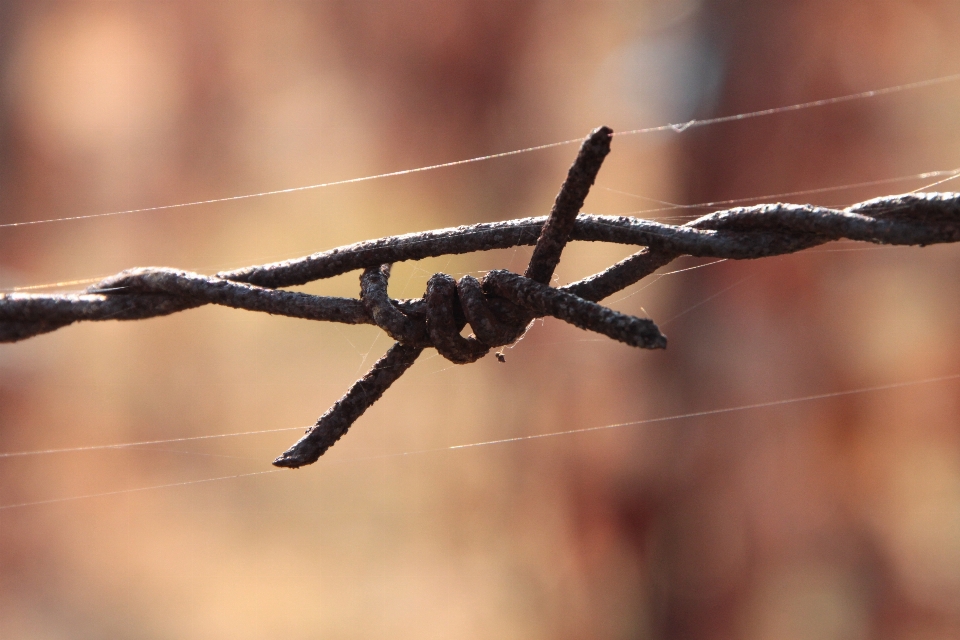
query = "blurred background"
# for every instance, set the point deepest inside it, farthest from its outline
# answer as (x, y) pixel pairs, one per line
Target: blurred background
(830, 518)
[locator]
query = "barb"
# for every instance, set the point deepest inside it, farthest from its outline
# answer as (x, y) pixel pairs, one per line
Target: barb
(364, 392)
(499, 307)
(556, 230)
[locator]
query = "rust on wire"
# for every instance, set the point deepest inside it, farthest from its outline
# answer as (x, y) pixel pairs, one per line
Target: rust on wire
(499, 307)
(556, 230)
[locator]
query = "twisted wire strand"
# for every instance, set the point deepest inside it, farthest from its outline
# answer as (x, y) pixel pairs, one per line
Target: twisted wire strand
(499, 307)
(740, 233)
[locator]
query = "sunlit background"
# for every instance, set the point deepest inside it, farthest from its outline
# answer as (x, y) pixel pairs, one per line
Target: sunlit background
(830, 518)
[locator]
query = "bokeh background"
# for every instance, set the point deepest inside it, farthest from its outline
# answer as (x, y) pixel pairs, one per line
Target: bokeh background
(834, 518)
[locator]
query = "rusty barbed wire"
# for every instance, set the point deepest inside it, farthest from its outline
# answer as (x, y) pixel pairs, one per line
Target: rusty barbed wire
(502, 305)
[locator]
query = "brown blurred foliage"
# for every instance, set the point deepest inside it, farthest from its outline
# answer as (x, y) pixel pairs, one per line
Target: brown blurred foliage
(833, 518)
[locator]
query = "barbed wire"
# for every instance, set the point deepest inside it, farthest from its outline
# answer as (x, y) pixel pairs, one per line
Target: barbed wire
(501, 305)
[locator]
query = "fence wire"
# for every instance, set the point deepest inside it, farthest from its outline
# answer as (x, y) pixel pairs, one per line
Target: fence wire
(502, 304)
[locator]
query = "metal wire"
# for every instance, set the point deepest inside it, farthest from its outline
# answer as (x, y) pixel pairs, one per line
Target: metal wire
(499, 307)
